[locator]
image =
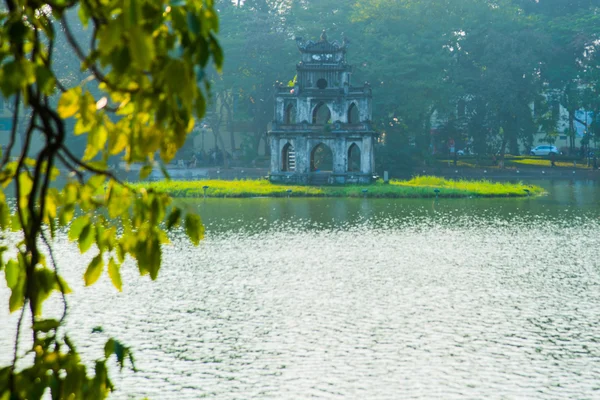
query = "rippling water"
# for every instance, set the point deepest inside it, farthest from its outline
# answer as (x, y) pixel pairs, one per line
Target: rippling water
(352, 299)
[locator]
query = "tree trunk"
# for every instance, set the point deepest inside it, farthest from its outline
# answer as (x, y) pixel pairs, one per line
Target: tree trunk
(225, 159)
(571, 131)
(502, 151)
(230, 124)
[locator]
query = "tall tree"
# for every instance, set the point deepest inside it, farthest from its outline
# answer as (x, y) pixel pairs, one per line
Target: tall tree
(147, 59)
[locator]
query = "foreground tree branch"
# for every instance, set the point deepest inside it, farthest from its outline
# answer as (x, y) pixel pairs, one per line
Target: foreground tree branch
(158, 65)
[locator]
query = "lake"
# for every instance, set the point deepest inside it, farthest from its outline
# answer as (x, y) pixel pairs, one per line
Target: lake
(358, 299)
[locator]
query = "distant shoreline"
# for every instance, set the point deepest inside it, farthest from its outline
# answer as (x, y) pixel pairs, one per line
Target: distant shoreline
(513, 174)
(419, 187)
(529, 173)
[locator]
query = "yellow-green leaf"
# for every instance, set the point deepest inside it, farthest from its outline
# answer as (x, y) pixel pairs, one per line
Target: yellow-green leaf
(86, 238)
(94, 270)
(194, 228)
(115, 274)
(17, 299)
(96, 181)
(68, 105)
(145, 171)
(45, 325)
(77, 227)
(12, 273)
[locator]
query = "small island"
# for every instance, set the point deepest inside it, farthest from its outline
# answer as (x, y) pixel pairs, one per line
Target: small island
(418, 187)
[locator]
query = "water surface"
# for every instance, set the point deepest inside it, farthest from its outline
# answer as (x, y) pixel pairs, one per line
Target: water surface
(360, 298)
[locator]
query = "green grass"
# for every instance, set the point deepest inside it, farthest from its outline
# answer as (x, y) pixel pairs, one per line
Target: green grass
(513, 162)
(419, 187)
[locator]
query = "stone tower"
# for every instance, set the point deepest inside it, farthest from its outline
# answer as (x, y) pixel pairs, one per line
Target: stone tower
(322, 131)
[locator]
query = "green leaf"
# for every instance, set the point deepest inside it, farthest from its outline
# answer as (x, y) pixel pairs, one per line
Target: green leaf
(115, 274)
(174, 218)
(2, 250)
(175, 72)
(141, 48)
(45, 325)
(65, 286)
(84, 14)
(96, 181)
(68, 105)
(17, 299)
(15, 222)
(86, 238)
(77, 226)
(194, 228)
(145, 171)
(26, 184)
(148, 254)
(193, 23)
(4, 215)
(45, 79)
(12, 273)
(100, 241)
(94, 270)
(65, 215)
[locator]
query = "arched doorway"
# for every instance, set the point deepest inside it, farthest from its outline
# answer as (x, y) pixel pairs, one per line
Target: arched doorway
(321, 158)
(288, 158)
(290, 115)
(354, 158)
(353, 117)
(321, 114)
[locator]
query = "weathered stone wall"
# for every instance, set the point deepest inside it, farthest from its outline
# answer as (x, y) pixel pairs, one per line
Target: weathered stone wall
(322, 60)
(339, 146)
(339, 107)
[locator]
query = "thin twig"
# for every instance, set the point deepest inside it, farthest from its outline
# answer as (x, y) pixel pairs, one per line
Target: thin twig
(57, 276)
(89, 168)
(70, 167)
(16, 350)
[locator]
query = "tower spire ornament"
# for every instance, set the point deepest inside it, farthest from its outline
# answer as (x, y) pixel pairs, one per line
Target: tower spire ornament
(324, 36)
(322, 133)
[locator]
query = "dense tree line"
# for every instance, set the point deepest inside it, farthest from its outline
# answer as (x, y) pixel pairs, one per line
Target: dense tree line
(490, 73)
(478, 67)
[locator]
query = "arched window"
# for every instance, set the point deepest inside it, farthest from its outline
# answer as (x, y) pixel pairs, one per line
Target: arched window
(353, 117)
(288, 158)
(321, 114)
(290, 115)
(354, 158)
(321, 159)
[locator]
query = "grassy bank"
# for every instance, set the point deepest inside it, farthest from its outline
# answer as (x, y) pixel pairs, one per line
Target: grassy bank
(419, 187)
(516, 162)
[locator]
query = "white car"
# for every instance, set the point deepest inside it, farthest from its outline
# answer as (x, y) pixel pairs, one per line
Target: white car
(544, 150)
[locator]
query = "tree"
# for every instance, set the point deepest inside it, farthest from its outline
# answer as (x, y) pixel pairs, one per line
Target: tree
(259, 55)
(145, 61)
(406, 53)
(497, 65)
(569, 51)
